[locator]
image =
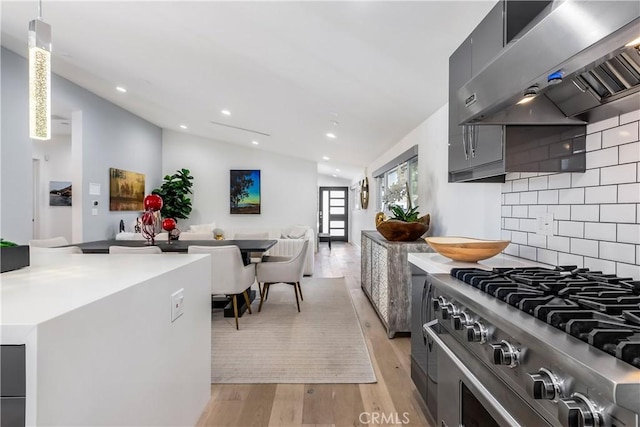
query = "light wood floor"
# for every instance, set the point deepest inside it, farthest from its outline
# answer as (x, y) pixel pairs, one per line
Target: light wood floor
(393, 398)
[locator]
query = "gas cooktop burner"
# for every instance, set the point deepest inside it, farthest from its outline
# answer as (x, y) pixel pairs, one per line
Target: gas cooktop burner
(600, 309)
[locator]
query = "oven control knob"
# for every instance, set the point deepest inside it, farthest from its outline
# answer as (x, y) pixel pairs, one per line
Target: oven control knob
(505, 354)
(579, 411)
(439, 302)
(544, 385)
(460, 320)
(449, 310)
(477, 333)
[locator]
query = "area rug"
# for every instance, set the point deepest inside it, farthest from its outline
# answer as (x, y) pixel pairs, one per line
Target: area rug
(321, 344)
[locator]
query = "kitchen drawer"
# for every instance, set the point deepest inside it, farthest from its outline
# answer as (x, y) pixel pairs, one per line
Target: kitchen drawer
(13, 411)
(12, 371)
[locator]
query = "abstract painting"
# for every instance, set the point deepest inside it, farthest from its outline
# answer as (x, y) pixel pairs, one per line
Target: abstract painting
(126, 190)
(60, 193)
(245, 191)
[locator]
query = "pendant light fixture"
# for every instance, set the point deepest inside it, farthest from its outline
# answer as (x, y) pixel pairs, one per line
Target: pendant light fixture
(39, 78)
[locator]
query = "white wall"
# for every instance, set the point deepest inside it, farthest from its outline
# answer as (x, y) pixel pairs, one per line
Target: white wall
(55, 165)
(596, 214)
(110, 137)
(457, 209)
(330, 181)
(289, 186)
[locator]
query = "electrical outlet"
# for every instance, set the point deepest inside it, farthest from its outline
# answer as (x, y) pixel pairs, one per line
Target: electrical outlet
(177, 304)
(544, 224)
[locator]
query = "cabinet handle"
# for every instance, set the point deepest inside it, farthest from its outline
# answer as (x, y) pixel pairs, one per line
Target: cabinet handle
(473, 140)
(465, 131)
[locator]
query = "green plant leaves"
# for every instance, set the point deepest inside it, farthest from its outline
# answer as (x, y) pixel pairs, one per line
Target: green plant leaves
(406, 215)
(174, 192)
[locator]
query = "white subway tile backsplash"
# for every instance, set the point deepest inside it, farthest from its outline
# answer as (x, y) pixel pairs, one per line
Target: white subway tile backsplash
(520, 185)
(560, 180)
(584, 247)
(558, 243)
(629, 152)
(570, 259)
(628, 270)
(547, 257)
(506, 186)
(529, 198)
(506, 211)
(604, 194)
(539, 183)
(528, 252)
(600, 231)
(528, 174)
(629, 193)
(537, 210)
(620, 135)
(505, 235)
(618, 213)
(594, 141)
(618, 174)
(519, 211)
(512, 199)
(629, 233)
(571, 196)
(600, 158)
(537, 240)
(519, 237)
(528, 225)
(601, 125)
(571, 228)
(585, 213)
(588, 178)
(633, 116)
(511, 224)
(620, 252)
(512, 249)
(548, 197)
(638, 255)
(607, 267)
(562, 212)
(511, 176)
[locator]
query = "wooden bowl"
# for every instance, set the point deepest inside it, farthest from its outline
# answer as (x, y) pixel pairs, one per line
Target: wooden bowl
(399, 231)
(466, 249)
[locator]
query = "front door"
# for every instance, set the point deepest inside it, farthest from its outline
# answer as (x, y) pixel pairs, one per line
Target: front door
(334, 212)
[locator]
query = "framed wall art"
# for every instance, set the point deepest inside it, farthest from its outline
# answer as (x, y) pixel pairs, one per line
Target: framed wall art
(60, 193)
(244, 191)
(126, 190)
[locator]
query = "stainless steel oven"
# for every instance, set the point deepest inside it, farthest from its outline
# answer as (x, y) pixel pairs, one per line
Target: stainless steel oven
(469, 394)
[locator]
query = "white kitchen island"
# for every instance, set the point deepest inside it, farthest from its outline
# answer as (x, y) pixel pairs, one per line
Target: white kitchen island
(100, 345)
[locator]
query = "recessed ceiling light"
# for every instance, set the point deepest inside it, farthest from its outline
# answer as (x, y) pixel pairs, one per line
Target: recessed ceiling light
(330, 135)
(337, 170)
(121, 89)
(255, 142)
(335, 176)
(183, 126)
(325, 158)
(226, 112)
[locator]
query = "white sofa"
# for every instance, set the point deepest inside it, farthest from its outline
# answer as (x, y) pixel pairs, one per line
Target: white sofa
(286, 246)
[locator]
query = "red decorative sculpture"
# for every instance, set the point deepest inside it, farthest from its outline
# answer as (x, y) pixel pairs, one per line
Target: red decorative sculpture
(150, 218)
(169, 224)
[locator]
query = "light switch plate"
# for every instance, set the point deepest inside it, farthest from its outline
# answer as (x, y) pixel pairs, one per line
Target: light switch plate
(544, 224)
(177, 304)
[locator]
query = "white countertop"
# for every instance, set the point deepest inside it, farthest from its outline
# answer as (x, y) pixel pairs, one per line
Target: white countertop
(436, 263)
(38, 293)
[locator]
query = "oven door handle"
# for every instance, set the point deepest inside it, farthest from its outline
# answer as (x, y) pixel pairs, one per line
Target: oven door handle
(468, 375)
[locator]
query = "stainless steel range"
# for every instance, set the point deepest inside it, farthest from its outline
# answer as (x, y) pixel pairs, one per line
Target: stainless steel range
(535, 347)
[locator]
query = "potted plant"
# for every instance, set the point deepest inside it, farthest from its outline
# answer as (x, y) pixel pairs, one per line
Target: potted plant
(174, 192)
(13, 256)
(404, 225)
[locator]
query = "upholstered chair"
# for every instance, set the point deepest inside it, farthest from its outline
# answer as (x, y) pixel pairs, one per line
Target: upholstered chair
(48, 243)
(229, 274)
(289, 271)
(255, 257)
(115, 250)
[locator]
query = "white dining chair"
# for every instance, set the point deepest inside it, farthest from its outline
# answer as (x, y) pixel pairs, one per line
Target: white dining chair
(48, 243)
(229, 274)
(254, 257)
(49, 250)
(190, 235)
(134, 250)
(289, 271)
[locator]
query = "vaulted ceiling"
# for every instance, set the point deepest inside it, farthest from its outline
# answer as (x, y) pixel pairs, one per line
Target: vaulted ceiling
(289, 72)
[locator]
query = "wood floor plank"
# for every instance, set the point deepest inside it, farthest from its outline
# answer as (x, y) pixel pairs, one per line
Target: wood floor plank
(323, 405)
(287, 406)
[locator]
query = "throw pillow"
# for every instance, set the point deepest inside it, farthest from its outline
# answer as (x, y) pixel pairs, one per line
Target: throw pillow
(298, 232)
(251, 236)
(202, 228)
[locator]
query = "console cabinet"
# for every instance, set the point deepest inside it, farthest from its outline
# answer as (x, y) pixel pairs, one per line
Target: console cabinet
(386, 279)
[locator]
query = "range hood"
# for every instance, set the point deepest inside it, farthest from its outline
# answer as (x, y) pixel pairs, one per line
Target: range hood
(575, 56)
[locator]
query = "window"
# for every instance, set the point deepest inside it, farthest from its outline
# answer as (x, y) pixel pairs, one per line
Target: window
(393, 185)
